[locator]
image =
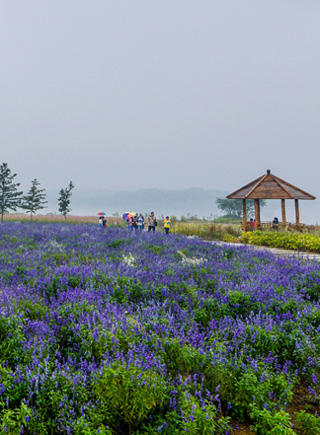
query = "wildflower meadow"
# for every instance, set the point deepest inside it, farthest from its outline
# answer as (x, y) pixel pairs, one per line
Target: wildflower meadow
(108, 332)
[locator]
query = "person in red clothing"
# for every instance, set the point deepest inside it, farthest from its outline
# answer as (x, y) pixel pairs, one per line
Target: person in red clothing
(253, 224)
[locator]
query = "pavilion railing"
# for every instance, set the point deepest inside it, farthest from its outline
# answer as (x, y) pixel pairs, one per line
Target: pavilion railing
(279, 227)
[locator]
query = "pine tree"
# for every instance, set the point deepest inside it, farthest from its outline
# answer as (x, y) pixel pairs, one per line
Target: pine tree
(64, 200)
(10, 197)
(34, 200)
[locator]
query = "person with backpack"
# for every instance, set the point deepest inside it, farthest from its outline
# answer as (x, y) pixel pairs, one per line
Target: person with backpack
(152, 222)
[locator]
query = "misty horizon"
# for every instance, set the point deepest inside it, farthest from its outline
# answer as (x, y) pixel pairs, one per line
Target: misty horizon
(175, 202)
(129, 95)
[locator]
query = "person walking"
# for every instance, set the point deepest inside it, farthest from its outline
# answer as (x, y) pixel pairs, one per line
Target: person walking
(140, 222)
(167, 224)
(130, 223)
(135, 223)
(152, 222)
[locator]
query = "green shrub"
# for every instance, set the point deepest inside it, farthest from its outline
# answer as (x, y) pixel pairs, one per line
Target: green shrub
(243, 388)
(13, 421)
(117, 243)
(260, 388)
(283, 239)
(31, 309)
(268, 423)
(198, 419)
(130, 393)
(182, 358)
(11, 340)
(55, 388)
(190, 417)
(84, 427)
(240, 304)
(307, 424)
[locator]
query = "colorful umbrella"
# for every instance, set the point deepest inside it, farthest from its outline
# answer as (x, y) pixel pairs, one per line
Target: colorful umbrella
(101, 213)
(128, 215)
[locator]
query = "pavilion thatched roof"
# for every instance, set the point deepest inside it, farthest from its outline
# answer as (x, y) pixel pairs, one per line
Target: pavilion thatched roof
(269, 186)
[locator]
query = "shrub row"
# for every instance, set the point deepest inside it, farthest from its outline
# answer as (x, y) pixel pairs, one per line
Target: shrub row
(283, 239)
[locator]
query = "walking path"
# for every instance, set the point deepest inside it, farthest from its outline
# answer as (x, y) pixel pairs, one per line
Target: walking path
(276, 251)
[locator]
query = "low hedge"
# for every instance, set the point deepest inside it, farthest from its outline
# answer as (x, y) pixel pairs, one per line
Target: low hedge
(283, 239)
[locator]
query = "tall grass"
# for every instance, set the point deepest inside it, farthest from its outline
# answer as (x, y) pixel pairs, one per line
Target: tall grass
(208, 230)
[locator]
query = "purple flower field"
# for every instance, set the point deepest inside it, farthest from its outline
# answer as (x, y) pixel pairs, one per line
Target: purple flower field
(106, 332)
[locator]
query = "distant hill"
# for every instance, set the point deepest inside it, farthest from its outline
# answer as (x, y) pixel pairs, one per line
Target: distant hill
(193, 201)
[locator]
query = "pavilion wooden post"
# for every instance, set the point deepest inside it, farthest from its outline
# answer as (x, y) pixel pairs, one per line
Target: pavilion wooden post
(283, 208)
(257, 213)
(244, 213)
(296, 203)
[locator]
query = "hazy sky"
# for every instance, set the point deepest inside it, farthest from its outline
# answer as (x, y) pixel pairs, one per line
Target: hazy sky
(128, 94)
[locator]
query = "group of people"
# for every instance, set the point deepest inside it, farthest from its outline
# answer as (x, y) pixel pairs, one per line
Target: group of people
(137, 222)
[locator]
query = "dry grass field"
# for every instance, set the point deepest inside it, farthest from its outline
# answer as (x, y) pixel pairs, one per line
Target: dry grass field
(54, 218)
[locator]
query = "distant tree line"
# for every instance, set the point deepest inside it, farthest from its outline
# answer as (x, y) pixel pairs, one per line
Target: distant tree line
(11, 198)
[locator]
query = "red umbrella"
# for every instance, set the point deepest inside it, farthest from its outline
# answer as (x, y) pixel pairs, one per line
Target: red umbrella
(101, 213)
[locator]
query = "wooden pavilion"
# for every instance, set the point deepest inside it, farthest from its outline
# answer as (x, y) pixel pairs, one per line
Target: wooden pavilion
(269, 187)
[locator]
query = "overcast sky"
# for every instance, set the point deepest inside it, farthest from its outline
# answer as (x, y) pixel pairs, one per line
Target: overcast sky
(126, 94)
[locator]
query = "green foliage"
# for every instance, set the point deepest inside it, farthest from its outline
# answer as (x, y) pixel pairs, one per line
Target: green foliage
(190, 417)
(31, 309)
(267, 423)
(307, 424)
(283, 239)
(200, 420)
(233, 207)
(57, 388)
(11, 340)
(10, 197)
(181, 358)
(242, 388)
(126, 289)
(64, 199)
(14, 421)
(130, 393)
(240, 304)
(85, 427)
(156, 249)
(251, 388)
(34, 200)
(116, 243)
